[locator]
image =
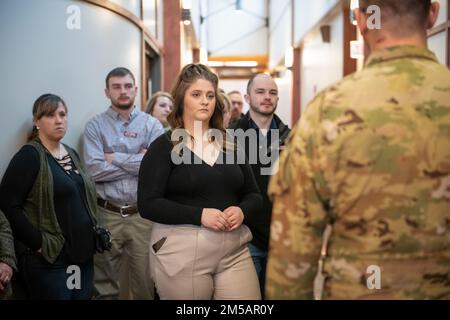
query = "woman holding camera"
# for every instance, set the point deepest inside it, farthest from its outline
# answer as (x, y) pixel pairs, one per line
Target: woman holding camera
(49, 201)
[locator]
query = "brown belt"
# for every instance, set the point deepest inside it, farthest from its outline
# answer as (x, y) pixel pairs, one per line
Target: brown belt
(124, 211)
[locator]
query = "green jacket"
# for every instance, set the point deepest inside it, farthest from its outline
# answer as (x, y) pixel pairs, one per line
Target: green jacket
(39, 207)
(7, 254)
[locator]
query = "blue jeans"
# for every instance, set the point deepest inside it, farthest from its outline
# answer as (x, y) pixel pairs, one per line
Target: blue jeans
(46, 281)
(260, 261)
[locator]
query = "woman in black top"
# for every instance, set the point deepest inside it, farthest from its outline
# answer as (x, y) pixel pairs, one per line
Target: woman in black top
(197, 200)
(48, 200)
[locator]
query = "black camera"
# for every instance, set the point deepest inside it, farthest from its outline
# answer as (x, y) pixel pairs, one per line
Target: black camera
(102, 239)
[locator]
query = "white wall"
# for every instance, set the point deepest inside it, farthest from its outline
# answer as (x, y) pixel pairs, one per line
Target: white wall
(203, 34)
(195, 16)
(185, 48)
(284, 110)
(134, 6)
(227, 28)
(149, 15)
(437, 43)
(42, 55)
(160, 20)
(442, 12)
(280, 30)
(152, 14)
(322, 63)
(308, 13)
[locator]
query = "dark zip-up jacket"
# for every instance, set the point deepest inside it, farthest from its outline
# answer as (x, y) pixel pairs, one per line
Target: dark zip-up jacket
(260, 224)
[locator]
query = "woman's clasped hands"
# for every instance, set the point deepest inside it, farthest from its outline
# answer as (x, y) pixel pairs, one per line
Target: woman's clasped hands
(228, 220)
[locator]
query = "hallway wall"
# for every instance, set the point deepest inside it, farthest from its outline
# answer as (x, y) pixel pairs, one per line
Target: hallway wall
(280, 30)
(322, 62)
(284, 110)
(230, 32)
(40, 55)
(437, 42)
(308, 13)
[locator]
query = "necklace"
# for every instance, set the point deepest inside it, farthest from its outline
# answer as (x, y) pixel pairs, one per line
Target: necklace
(59, 157)
(60, 152)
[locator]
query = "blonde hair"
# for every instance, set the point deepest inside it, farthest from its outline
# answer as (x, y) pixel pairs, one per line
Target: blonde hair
(226, 100)
(152, 102)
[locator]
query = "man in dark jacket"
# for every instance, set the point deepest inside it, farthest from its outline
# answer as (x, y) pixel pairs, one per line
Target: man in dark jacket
(262, 97)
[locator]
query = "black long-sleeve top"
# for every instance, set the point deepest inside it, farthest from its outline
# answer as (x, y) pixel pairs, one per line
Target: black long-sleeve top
(170, 193)
(69, 202)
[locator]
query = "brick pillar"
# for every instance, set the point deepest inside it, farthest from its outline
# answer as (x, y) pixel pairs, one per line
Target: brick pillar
(172, 42)
(196, 55)
(349, 35)
(296, 86)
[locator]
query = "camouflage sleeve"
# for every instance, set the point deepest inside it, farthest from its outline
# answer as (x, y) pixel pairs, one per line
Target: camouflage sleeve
(298, 216)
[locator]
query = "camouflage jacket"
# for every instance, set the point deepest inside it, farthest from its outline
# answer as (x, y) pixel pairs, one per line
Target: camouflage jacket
(371, 155)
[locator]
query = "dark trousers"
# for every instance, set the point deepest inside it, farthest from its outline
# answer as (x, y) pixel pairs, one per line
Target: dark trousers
(46, 281)
(259, 258)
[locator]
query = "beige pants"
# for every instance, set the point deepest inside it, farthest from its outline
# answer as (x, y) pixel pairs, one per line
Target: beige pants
(202, 264)
(130, 237)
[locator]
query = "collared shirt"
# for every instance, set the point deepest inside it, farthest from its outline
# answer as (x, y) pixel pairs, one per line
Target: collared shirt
(264, 140)
(109, 133)
(273, 124)
(371, 155)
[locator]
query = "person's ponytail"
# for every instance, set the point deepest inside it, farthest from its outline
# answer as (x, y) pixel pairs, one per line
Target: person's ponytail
(33, 134)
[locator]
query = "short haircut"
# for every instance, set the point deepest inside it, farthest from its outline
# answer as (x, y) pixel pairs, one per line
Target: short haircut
(252, 79)
(408, 14)
(119, 72)
(226, 101)
(250, 82)
(234, 92)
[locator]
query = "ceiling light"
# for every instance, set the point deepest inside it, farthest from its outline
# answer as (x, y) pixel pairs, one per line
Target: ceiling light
(289, 57)
(233, 64)
(354, 4)
(187, 4)
(242, 64)
(216, 64)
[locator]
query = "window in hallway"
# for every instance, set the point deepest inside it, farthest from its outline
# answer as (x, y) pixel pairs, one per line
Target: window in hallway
(439, 35)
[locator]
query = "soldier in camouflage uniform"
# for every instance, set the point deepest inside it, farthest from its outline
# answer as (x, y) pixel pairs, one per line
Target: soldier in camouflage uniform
(7, 257)
(370, 157)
